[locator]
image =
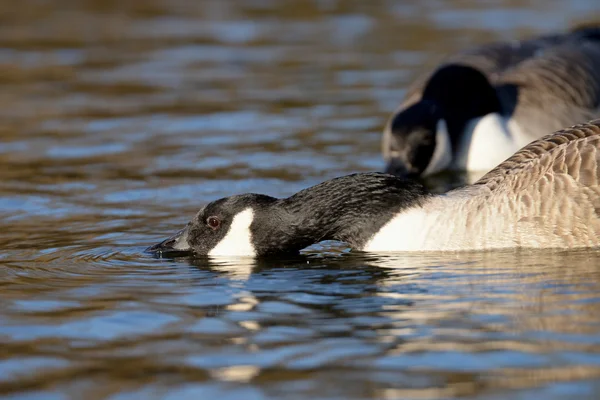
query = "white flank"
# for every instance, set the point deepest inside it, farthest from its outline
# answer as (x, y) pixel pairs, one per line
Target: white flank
(487, 141)
(238, 240)
(408, 231)
(456, 221)
(442, 154)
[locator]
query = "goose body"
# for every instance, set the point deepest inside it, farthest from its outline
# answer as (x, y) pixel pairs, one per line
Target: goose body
(547, 195)
(482, 105)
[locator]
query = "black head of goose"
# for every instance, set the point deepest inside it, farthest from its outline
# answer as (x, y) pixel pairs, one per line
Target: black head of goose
(422, 136)
(545, 196)
(482, 105)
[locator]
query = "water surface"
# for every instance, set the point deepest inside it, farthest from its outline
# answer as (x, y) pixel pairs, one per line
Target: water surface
(118, 120)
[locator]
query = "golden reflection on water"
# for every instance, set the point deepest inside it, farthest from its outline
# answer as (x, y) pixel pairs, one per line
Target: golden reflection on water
(120, 119)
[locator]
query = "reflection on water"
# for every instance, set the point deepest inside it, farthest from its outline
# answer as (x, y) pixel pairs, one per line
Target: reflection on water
(119, 119)
(353, 324)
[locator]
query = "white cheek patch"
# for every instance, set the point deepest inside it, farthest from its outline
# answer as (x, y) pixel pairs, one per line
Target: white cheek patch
(442, 154)
(238, 240)
(487, 141)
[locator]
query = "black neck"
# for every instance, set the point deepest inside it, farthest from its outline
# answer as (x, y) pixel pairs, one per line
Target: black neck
(462, 93)
(349, 209)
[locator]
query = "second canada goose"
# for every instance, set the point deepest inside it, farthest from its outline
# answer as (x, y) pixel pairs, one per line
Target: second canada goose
(482, 105)
(547, 195)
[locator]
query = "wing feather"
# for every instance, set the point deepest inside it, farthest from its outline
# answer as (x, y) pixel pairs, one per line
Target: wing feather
(572, 151)
(545, 195)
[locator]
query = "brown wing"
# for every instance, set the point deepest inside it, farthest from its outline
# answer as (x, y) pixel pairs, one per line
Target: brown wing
(572, 152)
(546, 195)
(558, 87)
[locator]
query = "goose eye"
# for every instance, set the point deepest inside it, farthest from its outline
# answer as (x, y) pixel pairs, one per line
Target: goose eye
(213, 222)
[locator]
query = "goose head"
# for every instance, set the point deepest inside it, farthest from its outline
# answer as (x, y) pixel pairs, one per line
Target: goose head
(416, 141)
(422, 139)
(225, 227)
(350, 209)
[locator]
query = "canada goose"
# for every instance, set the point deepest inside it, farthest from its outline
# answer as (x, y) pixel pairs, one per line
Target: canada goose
(482, 105)
(547, 195)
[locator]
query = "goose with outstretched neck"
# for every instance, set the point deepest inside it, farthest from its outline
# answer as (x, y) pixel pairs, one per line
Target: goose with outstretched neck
(547, 195)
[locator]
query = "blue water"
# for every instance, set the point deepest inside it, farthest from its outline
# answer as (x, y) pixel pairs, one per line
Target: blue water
(120, 119)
